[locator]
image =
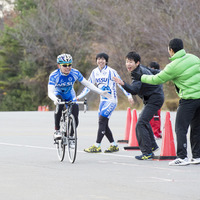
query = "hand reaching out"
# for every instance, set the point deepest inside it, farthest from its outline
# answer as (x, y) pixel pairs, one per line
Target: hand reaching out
(119, 81)
(131, 101)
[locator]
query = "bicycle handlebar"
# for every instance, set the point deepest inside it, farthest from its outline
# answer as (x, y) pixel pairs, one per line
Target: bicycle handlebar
(75, 102)
(84, 104)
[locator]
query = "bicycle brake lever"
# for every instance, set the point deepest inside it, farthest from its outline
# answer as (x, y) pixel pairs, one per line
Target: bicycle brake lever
(85, 105)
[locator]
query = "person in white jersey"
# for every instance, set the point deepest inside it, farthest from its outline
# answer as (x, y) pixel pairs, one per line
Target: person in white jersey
(60, 87)
(102, 76)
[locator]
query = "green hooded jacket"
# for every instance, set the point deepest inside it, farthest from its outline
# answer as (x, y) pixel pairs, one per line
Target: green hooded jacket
(184, 71)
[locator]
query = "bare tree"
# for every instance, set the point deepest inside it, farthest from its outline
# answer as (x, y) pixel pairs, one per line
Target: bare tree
(146, 27)
(53, 28)
(84, 28)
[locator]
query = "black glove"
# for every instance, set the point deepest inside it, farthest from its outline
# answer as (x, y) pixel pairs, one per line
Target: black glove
(136, 76)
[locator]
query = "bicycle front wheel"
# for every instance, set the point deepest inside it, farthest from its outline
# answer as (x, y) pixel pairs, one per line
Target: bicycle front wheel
(71, 138)
(60, 145)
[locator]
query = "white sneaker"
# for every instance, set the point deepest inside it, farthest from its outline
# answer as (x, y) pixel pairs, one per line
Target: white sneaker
(179, 162)
(71, 142)
(57, 135)
(195, 161)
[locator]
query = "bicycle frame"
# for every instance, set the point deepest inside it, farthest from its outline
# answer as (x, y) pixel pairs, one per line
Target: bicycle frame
(67, 126)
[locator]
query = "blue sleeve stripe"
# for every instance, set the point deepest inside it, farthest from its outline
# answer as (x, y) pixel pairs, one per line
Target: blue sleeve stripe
(51, 83)
(109, 77)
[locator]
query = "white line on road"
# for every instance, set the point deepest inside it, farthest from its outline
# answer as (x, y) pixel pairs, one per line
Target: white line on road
(104, 154)
(28, 146)
(51, 148)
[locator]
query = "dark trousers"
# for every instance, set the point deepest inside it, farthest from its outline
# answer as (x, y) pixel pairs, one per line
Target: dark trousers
(104, 130)
(57, 116)
(188, 114)
(144, 131)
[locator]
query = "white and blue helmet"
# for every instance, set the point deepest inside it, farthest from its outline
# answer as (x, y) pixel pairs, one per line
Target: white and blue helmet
(64, 59)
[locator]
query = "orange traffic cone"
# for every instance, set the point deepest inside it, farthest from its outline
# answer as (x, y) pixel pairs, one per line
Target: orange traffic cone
(128, 127)
(39, 108)
(133, 143)
(47, 108)
(43, 108)
(168, 148)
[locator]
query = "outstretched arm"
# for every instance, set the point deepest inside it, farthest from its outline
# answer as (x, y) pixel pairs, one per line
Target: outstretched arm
(133, 88)
(118, 81)
(167, 74)
(84, 92)
(95, 89)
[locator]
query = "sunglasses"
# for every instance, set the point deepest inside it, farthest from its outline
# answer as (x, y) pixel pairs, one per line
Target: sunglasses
(66, 65)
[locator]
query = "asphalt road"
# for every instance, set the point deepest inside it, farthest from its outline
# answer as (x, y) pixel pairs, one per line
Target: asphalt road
(30, 170)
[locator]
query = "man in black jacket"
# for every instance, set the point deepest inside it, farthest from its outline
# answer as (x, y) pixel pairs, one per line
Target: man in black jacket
(153, 98)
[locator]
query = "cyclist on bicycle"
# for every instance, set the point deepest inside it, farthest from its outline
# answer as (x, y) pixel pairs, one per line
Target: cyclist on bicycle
(60, 87)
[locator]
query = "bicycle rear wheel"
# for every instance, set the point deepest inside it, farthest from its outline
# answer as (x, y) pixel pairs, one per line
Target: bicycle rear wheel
(61, 143)
(71, 138)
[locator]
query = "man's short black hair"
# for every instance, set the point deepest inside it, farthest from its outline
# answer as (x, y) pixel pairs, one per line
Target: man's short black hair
(154, 65)
(176, 44)
(133, 56)
(103, 55)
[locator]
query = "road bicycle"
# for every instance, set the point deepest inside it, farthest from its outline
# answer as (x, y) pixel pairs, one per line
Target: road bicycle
(68, 131)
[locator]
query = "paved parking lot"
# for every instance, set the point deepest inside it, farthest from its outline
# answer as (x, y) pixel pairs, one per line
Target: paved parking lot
(30, 168)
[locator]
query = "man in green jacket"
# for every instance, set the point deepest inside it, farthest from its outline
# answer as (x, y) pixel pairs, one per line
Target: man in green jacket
(184, 71)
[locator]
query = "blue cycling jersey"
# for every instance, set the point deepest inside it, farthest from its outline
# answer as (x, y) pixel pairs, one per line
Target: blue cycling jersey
(64, 83)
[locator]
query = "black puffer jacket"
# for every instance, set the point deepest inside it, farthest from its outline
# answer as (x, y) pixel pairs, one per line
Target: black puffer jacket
(143, 90)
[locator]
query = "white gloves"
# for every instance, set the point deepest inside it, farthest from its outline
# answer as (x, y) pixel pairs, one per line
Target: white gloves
(57, 101)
